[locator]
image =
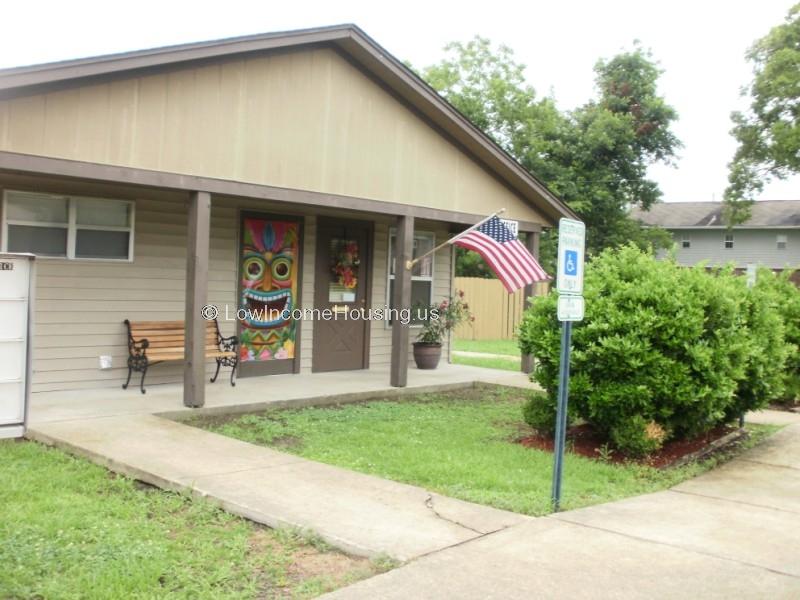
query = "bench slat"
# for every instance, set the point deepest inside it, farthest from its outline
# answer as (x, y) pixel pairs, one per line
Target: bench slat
(162, 324)
(164, 356)
(165, 325)
(173, 347)
(174, 339)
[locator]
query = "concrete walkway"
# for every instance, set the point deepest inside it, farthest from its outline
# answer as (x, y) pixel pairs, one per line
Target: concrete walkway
(361, 514)
(731, 533)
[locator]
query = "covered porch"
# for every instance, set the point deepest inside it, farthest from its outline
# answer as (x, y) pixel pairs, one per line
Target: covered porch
(186, 256)
(261, 393)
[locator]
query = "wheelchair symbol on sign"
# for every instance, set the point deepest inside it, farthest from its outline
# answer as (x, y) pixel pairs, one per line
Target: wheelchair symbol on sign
(570, 262)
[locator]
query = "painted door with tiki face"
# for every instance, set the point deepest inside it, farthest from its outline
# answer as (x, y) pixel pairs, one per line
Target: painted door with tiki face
(269, 292)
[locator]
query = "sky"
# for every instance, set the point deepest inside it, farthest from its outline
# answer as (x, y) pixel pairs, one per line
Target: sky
(699, 44)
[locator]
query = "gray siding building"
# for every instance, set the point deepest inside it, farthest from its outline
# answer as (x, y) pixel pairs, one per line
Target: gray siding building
(770, 238)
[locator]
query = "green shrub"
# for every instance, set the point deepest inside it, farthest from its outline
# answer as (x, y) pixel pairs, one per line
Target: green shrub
(765, 376)
(539, 411)
(661, 346)
(637, 437)
(785, 297)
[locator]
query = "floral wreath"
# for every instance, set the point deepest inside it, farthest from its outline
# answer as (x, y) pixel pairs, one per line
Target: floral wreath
(346, 264)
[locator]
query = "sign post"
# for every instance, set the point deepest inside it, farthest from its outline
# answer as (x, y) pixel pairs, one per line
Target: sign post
(569, 284)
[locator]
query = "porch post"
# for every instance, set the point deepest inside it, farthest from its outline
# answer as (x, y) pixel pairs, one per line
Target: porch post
(404, 249)
(532, 243)
(194, 376)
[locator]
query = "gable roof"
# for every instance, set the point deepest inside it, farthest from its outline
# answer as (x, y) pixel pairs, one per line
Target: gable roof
(708, 215)
(349, 39)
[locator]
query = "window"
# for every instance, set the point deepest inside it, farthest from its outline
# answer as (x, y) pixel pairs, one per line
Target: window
(67, 226)
(421, 274)
(781, 242)
(686, 242)
(729, 240)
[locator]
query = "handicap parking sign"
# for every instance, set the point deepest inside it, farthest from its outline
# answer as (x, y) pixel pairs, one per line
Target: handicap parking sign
(571, 247)
(570, 262)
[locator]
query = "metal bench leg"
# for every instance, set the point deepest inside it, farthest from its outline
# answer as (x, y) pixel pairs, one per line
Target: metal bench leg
(214, 378)
(233, 372)
(128, 380)
(141, 385)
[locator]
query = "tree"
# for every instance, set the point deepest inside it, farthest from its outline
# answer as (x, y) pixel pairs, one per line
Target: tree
(768, 135)
(595, 157)
(470, 264)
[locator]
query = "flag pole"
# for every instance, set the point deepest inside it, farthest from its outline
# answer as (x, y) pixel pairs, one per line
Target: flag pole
(410, 263)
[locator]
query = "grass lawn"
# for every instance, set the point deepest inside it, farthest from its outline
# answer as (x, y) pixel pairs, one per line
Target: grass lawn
(488, 362)
(71, 529)
(507, 347)
(456, 443)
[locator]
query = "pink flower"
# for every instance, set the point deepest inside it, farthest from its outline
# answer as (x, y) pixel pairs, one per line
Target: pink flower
(265, 354)
(282, 353)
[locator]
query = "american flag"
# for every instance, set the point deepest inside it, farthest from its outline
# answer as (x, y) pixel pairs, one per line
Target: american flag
(504, 253)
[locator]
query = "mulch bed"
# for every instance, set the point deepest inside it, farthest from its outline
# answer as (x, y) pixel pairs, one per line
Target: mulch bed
(584, 441)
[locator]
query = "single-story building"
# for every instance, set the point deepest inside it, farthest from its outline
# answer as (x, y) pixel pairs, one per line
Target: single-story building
(769, 238)
(277, 171)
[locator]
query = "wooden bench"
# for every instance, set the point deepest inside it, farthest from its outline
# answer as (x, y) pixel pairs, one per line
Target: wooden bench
(151, 342)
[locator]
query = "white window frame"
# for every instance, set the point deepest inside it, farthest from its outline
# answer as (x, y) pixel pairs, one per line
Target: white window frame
(728, 239)
(686, 242)
(71, 226)
(781, 241)
(390, 276)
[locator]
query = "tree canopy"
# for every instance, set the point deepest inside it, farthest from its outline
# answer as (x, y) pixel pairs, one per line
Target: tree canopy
(768, 134)
(594, 157)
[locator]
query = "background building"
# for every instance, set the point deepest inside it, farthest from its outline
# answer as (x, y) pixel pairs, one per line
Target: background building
(771, 237)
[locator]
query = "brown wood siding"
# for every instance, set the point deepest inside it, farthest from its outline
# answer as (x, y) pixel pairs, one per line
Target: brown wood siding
(306, 120)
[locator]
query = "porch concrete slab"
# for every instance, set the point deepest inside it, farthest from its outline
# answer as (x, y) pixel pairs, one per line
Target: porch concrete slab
(779, 450)
(743, 533)
(548, 558)
(749, 482)
(359, 513)
(258, 393)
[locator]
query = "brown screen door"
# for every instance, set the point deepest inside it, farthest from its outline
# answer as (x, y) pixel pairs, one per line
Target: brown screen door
(341, 286)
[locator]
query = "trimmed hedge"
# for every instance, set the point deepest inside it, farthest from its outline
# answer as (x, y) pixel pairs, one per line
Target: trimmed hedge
(784, 296)
(663, 352)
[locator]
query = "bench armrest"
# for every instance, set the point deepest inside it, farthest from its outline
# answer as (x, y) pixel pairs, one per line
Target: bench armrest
(136, 347)
(228, 344)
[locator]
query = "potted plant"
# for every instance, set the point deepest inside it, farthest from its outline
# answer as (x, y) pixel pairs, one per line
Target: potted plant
(441, 318)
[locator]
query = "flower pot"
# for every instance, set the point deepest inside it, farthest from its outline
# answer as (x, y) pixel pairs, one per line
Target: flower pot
(427, 354)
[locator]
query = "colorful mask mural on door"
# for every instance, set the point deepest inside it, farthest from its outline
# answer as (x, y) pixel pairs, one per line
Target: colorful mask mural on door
(269, 271)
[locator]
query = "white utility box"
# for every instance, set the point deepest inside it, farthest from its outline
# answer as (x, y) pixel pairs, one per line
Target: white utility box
(17, 276)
